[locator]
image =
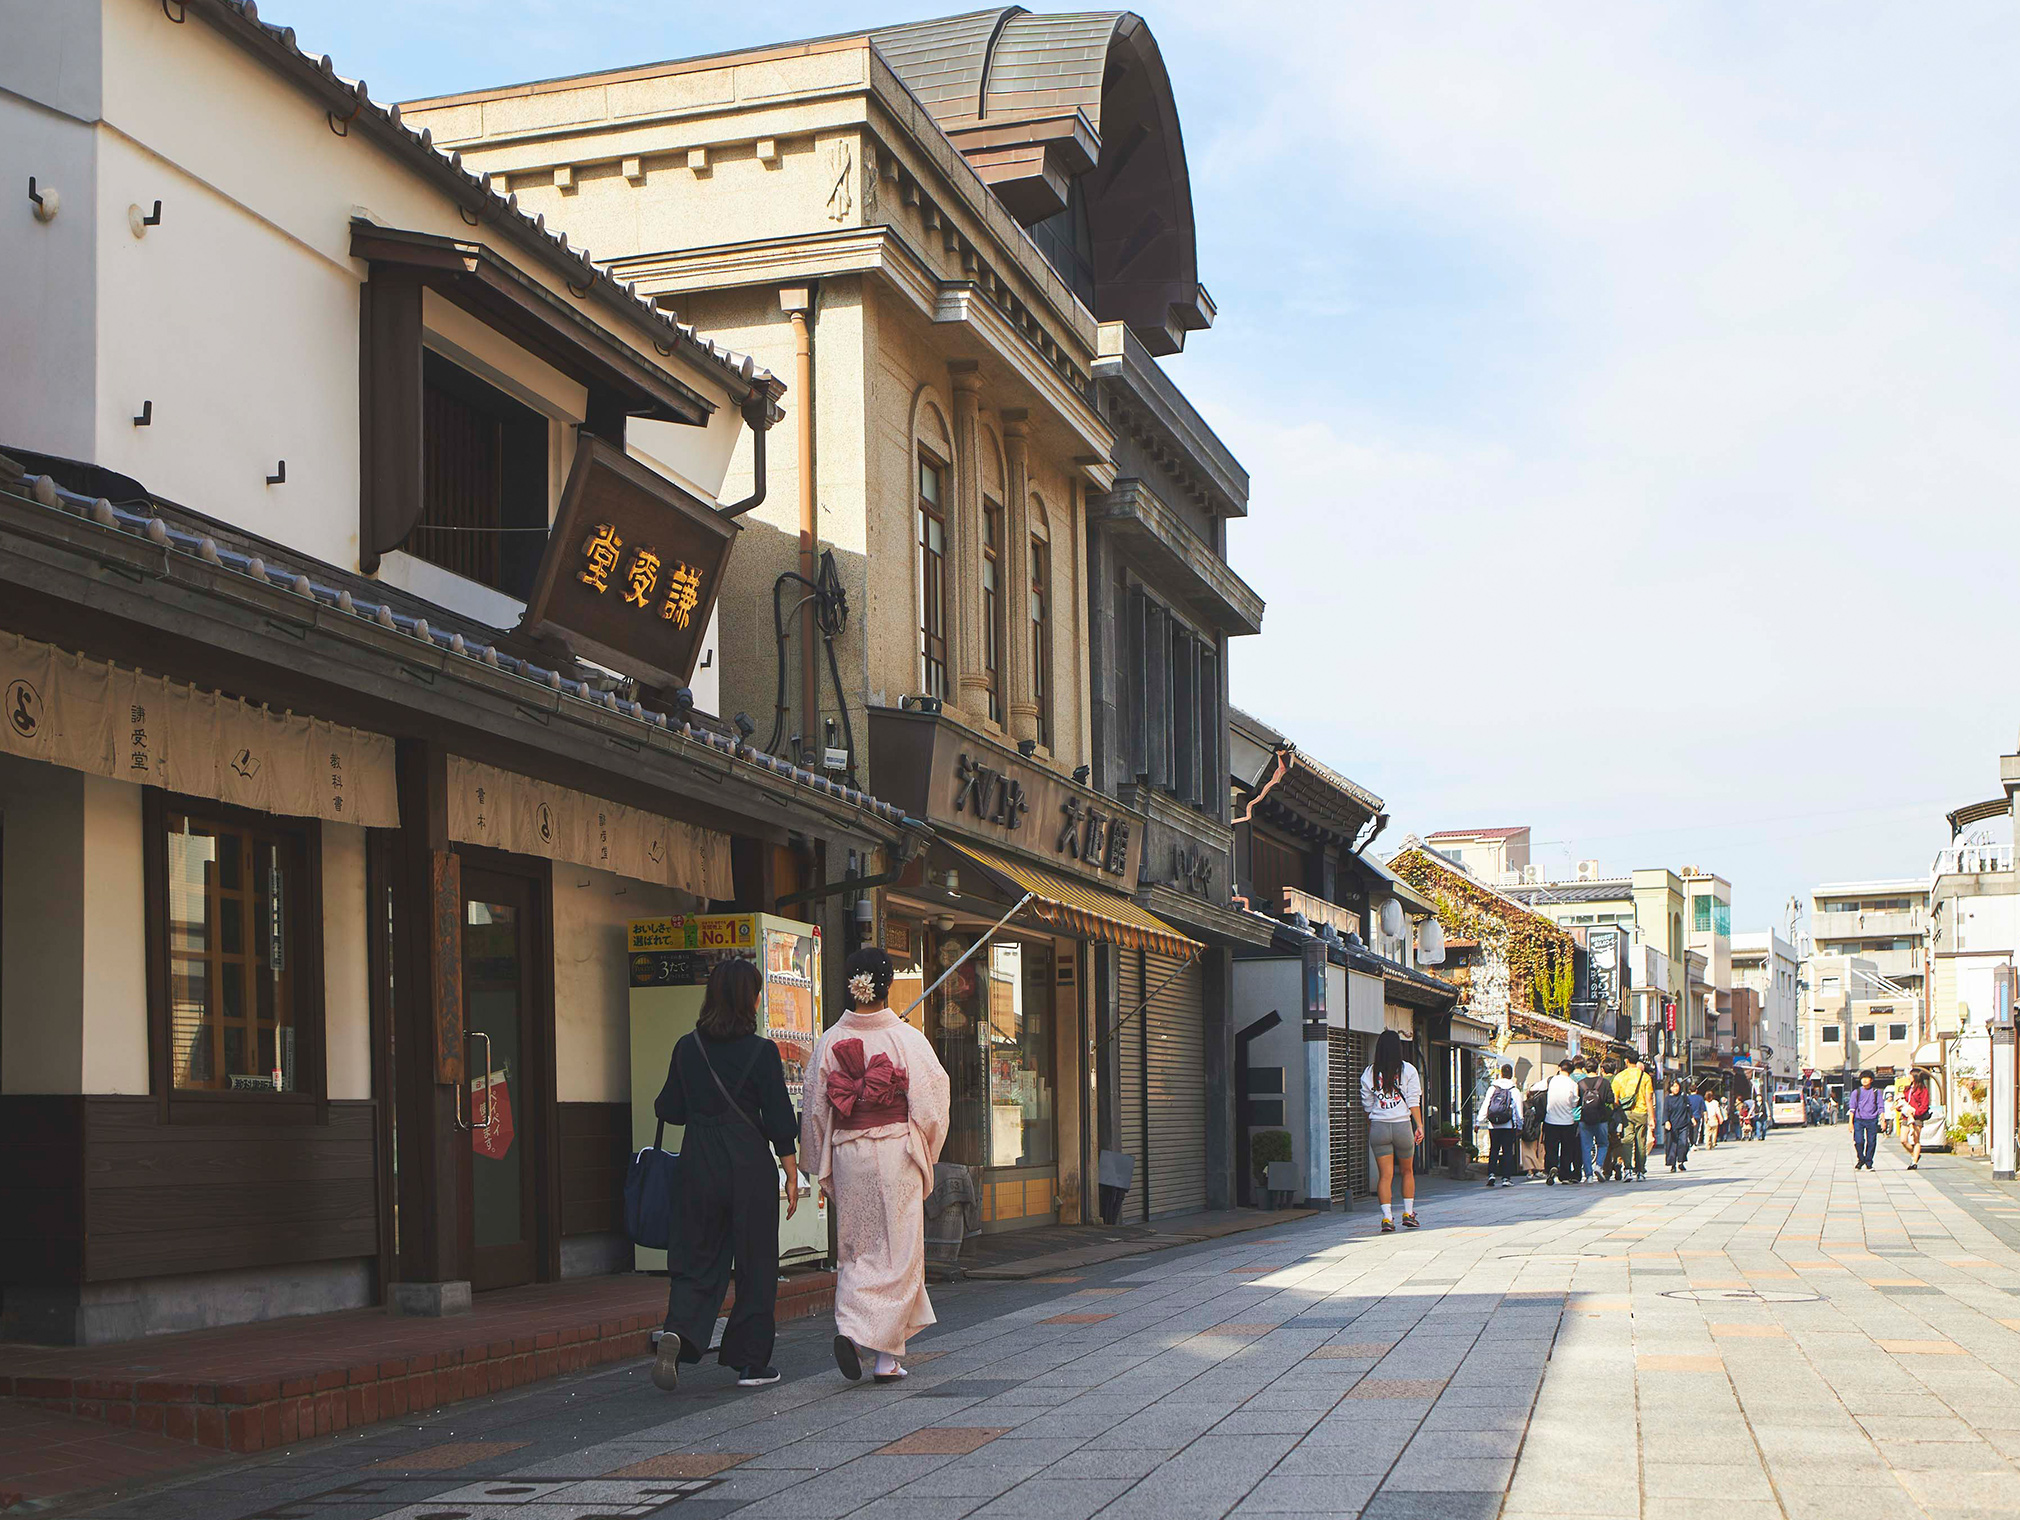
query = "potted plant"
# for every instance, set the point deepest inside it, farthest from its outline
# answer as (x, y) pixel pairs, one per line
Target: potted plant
(1448, 1135)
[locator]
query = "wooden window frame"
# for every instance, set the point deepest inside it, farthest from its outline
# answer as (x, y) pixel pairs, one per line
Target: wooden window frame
(931, 586)
(1041, 605)
(992, 606)
(309, 1103)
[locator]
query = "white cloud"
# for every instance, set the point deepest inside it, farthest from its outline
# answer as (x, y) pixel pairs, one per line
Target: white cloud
(1691, 502)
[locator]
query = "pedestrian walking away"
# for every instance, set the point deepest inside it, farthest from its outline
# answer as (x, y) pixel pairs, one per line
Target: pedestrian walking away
(1595, 1123)
(1561, 1162)
(1501, 1116)
(875, 1118)
(727, 1086)
(1534, 1159)
(1866, 1104)
(1634, 1091)
(1696, 1101)
(1393, 1095)
(1915, 1105)
(1679, 1123)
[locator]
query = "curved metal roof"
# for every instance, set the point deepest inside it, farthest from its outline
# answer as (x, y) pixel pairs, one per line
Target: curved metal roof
(997, 68)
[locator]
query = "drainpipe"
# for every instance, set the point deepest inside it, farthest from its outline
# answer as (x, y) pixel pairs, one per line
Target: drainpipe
(798, 303)
(758, 418)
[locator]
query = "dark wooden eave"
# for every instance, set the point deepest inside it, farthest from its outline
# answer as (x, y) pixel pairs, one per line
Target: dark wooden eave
(490, 288)
(136, 600)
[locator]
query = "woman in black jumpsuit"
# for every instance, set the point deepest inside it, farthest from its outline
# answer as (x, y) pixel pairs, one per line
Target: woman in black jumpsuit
(727, 1204)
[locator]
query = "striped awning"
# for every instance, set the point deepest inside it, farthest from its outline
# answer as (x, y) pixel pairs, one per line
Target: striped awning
(1081, 908)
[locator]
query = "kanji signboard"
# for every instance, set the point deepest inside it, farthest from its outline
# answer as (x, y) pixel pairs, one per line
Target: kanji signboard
(632, 568)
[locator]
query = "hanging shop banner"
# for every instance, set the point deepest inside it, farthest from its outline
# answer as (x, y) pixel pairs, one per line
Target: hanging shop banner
(631, 570)
(67, 710)
(503, 811)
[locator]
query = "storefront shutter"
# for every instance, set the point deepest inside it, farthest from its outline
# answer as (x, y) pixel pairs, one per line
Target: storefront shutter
(1175, 1072)
(1347, 1057)
(1130, 1110)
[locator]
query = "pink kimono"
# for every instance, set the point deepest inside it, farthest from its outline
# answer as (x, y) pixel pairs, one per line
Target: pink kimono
(874, 1119)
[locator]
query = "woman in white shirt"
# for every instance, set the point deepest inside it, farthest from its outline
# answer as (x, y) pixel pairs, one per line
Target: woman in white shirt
(1393, 1095)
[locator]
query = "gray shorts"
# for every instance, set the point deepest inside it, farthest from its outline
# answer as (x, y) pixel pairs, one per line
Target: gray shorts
(1392, 1137)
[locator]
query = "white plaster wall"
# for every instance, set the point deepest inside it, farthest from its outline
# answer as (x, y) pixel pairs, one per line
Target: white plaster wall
(347, 1022)
(115, 940)
(1277, 985)
(48, 98)
(41, 928)
(592, 987)
(238, 315)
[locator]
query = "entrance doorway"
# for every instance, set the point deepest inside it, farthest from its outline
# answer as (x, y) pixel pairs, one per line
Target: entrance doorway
(504, 934)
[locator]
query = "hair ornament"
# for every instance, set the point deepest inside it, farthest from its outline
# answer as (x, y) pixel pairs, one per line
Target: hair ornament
(862, 988)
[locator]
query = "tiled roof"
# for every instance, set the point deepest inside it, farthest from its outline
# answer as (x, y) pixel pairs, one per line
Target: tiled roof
(348, 102)
(327, 586)
(1479, 833)
(1572, 891)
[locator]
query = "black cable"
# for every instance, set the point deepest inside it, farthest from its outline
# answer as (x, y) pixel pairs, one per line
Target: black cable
(831, 617)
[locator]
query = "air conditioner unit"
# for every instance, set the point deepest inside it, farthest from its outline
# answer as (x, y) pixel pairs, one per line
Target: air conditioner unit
(1531, 875)
(1588, 870)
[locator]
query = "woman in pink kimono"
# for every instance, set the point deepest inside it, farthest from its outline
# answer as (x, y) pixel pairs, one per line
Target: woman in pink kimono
(873, 1121)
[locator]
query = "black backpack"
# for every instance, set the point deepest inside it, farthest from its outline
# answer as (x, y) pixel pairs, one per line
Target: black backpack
(1501, 1107)
(1595, 1101)
(1533, 1109)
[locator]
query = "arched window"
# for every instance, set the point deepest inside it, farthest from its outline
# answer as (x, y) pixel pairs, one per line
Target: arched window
(1041, 619)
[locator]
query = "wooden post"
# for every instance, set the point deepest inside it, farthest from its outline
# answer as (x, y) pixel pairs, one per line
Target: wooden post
(433, 1268)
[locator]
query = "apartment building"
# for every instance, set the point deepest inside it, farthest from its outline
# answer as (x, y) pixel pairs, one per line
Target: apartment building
(1495, 856)
(1858, 1020)
(1766, 964)
(1877, 921)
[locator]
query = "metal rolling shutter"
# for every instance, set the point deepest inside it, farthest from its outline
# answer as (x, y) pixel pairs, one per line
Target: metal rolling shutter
(1356, 1171)
(1341, 1101)
(1175, 1069)
(1129, 1106)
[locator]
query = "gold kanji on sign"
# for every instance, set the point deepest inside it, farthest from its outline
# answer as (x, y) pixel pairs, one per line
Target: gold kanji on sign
(600, 549)
(642, 575)
(683, 590)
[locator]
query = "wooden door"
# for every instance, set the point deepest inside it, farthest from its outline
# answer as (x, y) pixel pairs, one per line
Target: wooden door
(502, 931)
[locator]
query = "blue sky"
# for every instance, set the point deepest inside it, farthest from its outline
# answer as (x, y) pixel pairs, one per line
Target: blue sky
(1628, 393)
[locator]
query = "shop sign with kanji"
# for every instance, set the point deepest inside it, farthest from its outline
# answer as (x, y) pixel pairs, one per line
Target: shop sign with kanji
(632, 568)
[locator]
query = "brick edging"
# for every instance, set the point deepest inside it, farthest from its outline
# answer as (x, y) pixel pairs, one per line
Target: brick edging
(248, 1416)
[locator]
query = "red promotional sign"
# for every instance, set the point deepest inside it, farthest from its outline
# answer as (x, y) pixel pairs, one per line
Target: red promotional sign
(1669, 1017)
(494, 1139)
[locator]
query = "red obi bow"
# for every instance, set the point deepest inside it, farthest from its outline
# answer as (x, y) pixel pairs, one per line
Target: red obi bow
(862, 1093)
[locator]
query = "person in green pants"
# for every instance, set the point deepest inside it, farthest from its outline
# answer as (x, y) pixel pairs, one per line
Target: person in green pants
(1634, 1089)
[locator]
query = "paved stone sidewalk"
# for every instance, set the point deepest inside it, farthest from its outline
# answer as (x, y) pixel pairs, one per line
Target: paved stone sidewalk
(1768, 1334)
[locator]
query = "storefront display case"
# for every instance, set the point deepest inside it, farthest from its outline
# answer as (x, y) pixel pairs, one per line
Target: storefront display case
(669, 964)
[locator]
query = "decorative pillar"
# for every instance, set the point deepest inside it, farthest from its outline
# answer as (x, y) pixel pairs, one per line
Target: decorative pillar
(1020, 689)
(964, 551)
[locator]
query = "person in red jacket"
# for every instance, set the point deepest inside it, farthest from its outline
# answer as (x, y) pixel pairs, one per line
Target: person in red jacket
(1915, 1104)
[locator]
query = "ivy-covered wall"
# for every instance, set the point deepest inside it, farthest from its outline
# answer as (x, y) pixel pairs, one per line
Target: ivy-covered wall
(1524, 961)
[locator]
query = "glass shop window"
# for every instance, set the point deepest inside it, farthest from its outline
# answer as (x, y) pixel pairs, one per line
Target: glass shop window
(991, 1026)
(234, 954)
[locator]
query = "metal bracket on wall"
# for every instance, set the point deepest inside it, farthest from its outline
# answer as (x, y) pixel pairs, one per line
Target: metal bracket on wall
(146, 417)
(281, 477)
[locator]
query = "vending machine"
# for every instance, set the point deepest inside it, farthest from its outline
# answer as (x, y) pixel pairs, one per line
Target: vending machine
(670, 961)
